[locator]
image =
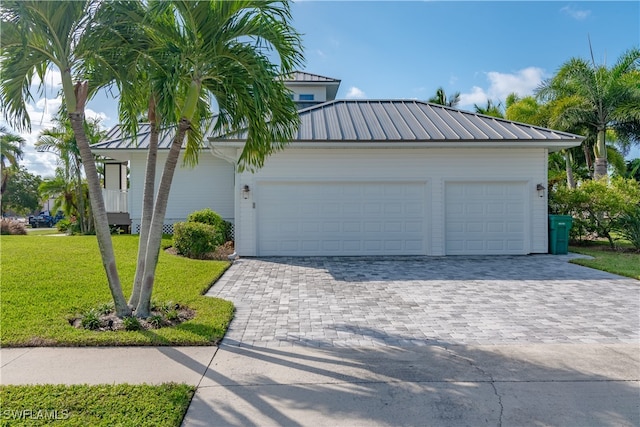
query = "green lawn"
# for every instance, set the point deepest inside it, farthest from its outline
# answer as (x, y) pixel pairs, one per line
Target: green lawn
(622, 263)
(101, 405)
(47, 279)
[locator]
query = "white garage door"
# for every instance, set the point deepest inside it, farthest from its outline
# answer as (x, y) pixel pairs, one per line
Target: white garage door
(341, 218)
(485, 218)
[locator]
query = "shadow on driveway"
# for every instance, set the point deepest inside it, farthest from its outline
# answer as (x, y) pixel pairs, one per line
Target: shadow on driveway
(562, 385)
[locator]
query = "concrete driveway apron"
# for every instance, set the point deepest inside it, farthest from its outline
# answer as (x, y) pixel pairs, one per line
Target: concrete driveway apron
(457, 341)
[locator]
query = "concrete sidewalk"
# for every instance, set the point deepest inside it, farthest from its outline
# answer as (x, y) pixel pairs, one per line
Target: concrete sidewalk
(502, 385)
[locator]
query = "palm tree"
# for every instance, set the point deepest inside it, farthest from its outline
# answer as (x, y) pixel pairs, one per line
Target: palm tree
(440, 98)
(61, 141)
(491, 109)
(11, 146)
(37, 36)
(197, 51)
(599, 98)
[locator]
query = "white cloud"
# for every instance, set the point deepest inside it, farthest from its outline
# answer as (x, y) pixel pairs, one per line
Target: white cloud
(522, 82)
(52, 79)
(355, 93)
(476, 96)
(577, 14)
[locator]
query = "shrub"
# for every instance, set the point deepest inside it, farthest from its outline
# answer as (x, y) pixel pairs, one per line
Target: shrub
(628, 225)
(63, 225)
(10, 226)
(597, 207)
(207, 216)
(194, 239)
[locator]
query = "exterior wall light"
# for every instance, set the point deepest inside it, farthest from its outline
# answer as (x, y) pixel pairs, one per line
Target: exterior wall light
(540, 188)
(245, 191)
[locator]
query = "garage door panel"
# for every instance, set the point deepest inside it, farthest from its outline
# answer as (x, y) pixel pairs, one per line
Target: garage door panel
(341, 218)
(485, 218)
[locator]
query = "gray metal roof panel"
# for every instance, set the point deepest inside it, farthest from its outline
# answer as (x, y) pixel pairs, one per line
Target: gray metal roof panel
(369, 121)
(302, 76)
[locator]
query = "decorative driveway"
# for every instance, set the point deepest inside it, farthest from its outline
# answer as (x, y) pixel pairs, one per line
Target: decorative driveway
(418, 301)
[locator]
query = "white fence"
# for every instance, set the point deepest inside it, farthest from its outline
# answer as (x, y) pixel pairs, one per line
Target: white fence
(115, 200)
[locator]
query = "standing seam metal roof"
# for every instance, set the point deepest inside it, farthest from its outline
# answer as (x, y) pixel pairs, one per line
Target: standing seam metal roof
(377, 121)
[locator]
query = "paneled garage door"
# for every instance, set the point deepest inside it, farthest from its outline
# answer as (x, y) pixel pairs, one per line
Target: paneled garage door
(341, 218)
(485, 218)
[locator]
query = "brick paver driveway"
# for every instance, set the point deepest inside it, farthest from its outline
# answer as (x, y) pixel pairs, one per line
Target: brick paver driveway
(414, 301)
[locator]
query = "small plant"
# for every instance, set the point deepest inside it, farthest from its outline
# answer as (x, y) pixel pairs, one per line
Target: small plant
(163, 307)
(173, 315)
(156, 320)
(91, 319)
(10, 226)
(131, 323)
(105, 308)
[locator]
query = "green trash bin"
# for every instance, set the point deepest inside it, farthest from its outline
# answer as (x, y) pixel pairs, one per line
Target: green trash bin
(559, 226)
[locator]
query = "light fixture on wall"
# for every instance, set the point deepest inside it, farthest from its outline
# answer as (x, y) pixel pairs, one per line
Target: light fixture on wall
(540, 188)
(245, 192)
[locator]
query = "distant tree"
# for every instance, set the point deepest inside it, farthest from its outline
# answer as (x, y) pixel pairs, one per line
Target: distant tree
(21, 196)
(61, 141)
(491, 109)
(11, 151)
(440, 98)
(599, 98)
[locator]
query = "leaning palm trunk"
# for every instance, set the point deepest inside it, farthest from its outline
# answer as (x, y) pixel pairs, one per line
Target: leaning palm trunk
(103, 233)
(155, 231)
(147, 205)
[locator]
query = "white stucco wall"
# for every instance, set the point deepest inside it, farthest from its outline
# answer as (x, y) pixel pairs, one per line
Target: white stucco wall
(434, 166)
(209, 185)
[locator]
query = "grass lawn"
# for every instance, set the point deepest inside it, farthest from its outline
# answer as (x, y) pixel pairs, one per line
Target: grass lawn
(622, 263)
(47, 279)
(101, 405)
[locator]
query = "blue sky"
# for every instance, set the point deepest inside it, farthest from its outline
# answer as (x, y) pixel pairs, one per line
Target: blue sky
(407, 49)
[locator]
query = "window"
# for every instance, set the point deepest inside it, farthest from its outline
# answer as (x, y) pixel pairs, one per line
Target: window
(305, 97)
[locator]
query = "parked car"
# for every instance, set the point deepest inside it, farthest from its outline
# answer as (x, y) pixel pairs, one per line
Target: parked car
(45, 219)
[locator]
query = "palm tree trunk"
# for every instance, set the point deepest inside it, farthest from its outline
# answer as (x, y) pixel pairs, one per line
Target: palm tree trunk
(600, 170)
(571, 183)
(147, 205)
(79, 190)
(103, 233)
(160, 209)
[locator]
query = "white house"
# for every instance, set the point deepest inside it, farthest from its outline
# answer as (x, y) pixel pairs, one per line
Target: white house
(368, 177)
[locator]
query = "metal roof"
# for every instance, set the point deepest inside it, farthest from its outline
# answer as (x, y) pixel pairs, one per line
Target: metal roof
(117, 139)
(382, 121)
(407, 121)
(304, 77)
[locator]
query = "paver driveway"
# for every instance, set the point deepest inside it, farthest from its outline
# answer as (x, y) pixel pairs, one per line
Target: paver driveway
(417, 301)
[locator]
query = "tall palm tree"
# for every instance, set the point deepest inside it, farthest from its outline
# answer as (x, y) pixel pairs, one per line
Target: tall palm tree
(440, 98)
(41, 35)
(232, 51)
(599, 98)
(11, 151)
